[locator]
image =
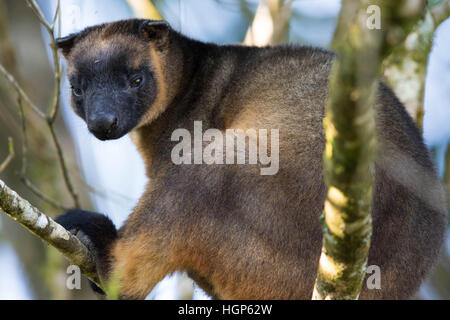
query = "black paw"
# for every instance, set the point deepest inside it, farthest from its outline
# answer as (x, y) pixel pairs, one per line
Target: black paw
(96, 231)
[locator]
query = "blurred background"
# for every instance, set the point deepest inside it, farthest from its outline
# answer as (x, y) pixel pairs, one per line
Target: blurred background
(109, 176)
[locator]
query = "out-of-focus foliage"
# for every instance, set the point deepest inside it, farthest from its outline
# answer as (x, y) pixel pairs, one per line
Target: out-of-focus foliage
(432, 3)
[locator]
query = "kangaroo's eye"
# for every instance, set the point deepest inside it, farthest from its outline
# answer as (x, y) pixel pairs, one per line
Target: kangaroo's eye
(77, 92)
(136, 82)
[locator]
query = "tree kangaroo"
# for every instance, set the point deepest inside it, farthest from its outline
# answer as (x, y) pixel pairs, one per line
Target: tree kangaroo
(239, 233)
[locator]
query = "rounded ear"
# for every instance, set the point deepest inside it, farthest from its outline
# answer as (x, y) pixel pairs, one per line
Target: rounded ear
(154, 30)
(66, 43)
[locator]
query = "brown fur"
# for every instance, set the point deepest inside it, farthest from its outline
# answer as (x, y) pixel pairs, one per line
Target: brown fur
(242, 235)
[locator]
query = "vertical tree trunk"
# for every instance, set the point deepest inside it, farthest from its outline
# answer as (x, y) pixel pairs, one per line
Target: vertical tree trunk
(350, 133)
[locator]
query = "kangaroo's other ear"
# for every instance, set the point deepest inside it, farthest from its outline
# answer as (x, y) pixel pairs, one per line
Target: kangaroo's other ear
(155, 30)
(66, 43)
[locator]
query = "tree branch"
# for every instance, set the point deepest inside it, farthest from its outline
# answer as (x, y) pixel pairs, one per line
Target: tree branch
(350, 142)
(145, 9)
(48, 230)
(441, 12)
(405, 68)
(270, 25)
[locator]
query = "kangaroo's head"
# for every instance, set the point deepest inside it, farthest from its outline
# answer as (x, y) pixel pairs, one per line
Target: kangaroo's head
(117, 73)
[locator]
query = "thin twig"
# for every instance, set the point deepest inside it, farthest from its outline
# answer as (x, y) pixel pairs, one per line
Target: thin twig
(55, 16)
(106, 193)
(37, 11)
(42, 196)
(23, 171)
(57, 74)
(20, 91)
(63, 166)
(54, 108)
(23, 126)
(55, 53)
(10, 156)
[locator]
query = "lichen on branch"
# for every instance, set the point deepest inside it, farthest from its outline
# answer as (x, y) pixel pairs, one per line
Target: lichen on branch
(405, 68)
(350, 140)
(48, 230)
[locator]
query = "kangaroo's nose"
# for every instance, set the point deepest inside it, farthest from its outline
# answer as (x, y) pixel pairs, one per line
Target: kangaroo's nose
(102, 125)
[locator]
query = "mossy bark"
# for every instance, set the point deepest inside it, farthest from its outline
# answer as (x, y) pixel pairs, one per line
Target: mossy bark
(405, 68)
(350, 148)
(48, 230)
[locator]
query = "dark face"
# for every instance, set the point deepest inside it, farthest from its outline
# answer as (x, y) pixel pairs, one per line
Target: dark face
(110, 94)
(110, 73)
